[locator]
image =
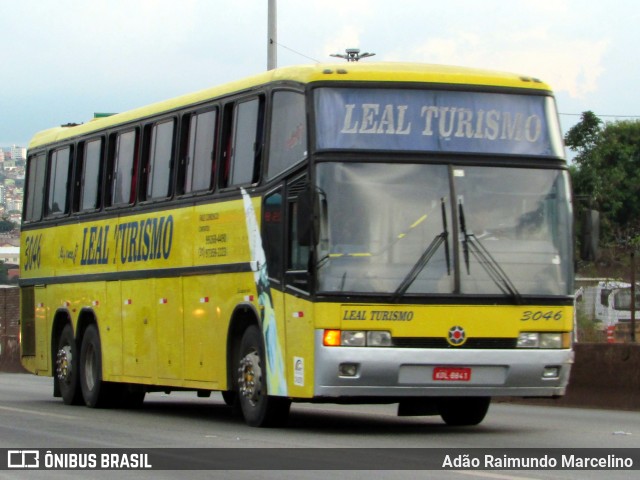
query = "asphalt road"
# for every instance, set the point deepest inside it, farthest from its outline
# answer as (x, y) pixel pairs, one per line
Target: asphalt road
(31, 418)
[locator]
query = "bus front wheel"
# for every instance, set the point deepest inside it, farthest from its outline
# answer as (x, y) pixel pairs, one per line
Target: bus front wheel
(67, 360)
(258, 408)
(463, 411)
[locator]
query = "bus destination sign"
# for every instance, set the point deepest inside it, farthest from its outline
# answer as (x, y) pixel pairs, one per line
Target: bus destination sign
(435, 121)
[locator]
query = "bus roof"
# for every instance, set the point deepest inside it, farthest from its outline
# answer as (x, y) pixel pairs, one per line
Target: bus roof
(363, 72)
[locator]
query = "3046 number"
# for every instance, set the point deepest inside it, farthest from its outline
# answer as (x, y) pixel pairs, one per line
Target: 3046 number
(538, 315)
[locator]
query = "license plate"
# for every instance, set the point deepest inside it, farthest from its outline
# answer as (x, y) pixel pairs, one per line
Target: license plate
(449, 374)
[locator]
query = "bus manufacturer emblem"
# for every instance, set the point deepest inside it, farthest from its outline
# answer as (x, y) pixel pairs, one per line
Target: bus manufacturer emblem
(457, 336)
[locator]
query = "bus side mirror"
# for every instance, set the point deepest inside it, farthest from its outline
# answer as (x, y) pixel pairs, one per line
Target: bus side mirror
(307, 217)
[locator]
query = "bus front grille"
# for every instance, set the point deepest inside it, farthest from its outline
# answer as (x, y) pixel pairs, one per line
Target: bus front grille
(440, 342)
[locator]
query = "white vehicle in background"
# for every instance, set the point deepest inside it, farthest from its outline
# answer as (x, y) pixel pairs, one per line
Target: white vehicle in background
(608, 303)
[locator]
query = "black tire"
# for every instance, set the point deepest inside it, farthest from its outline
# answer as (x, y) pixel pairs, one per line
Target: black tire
(95, 392)
(232, 400)
(230, 397)
(127, 396)
(463, 411)
(258, 408)
(66, 375)
(133, 399)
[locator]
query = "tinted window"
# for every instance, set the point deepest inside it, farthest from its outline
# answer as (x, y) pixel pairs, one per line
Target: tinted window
(245, 165)
(161, 160)
(272, 233)
(124, 164)
(91, 174)
(288, 140)
(35, 188)
(59, 164)
(200, 152)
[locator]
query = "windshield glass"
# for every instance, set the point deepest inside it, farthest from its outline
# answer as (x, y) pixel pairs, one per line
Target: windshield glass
(520, 218)
(397, 230)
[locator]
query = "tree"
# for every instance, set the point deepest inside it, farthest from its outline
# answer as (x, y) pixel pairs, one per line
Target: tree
(583, 136)
(607, 173)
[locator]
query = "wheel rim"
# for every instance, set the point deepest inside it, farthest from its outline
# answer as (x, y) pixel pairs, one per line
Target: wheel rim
(64, 359)
(250, 377)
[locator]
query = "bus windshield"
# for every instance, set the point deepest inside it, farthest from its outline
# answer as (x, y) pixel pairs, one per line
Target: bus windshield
(436, 229)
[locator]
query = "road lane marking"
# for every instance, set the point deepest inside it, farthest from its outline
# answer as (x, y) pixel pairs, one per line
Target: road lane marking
(35, 412)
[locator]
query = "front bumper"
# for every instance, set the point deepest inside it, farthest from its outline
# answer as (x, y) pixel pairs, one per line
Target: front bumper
(408, 372)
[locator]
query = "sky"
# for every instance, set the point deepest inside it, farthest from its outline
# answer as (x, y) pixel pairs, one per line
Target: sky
(63, 60)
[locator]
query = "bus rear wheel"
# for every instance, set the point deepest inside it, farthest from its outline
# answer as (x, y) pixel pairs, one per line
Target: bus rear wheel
(463, 411)
(258, 408)
(67, 360)
(96, 393)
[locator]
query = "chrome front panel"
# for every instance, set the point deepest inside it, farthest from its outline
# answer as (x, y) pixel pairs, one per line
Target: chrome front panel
(399, 372)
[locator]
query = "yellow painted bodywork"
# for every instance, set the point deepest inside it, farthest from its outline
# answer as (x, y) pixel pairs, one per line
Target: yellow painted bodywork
(164, 312)
(164, 327)
(172, 330)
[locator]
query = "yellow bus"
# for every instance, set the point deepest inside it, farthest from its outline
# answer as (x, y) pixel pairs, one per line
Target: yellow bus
(380, 232)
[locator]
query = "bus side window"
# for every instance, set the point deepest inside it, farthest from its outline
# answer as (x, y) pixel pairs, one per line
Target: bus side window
(157, 167)
(197, 152)
(88, 176)
(298, 254)
(226, 148)
(242, 153)
(272, 233)
(123, 154)
(288, 138)
(59, 178)
(35, 187)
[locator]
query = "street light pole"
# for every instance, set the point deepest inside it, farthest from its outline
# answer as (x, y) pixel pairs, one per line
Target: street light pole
(272, 34)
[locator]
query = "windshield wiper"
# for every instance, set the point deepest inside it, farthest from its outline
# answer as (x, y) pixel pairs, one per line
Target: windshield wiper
(471, 243)
(426, 257)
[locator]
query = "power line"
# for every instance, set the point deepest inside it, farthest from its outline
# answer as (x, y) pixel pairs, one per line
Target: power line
(298, 53)
(598, 115)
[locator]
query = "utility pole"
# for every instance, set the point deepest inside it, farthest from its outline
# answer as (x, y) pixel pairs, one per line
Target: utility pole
(633, 294)
(272, 34)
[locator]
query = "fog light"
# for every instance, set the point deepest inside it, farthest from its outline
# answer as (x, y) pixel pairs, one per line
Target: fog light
(348, 369)
(551, 372)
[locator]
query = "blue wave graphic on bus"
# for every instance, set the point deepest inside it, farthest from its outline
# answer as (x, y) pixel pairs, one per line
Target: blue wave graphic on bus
(276, 381)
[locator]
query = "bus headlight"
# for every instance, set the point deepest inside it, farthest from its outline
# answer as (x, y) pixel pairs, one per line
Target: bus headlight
(356, 338)
(544, 340)
(378, 339)
(550, 340)
(353, 339)
(528, 340)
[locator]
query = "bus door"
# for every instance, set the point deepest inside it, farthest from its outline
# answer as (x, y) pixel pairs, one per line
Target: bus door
(288, 271)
